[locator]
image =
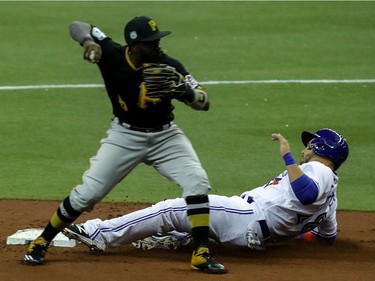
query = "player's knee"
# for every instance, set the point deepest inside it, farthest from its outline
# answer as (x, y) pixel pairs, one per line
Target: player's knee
(197, 186)
(84, 197)
(82, 203)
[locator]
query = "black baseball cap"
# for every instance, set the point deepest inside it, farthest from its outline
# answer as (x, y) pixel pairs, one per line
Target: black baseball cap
(143, 29)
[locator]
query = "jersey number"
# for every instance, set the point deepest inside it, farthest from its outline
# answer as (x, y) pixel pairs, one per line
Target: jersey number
(311, 225)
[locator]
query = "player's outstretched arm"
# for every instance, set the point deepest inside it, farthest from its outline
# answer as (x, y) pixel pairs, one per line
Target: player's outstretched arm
(81, 32)
(303, 186)
(294, 171)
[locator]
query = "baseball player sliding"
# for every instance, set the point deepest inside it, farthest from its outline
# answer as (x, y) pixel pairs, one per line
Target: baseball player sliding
(141, 83)
(299, 201)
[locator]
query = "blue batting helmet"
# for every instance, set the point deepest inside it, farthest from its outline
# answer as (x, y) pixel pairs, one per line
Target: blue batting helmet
(328, 143)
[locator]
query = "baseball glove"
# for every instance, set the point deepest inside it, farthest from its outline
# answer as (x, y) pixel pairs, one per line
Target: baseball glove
(163, 81)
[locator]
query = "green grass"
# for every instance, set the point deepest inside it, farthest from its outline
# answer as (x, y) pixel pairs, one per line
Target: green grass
(48, 136)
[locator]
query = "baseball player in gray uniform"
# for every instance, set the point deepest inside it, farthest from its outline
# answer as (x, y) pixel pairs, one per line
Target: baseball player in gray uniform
(299, 201)
(141, 82)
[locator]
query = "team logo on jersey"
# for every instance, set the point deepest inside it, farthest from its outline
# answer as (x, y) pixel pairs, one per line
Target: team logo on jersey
(331, 199)
(275, 181)
(144, 99)
(311, 225)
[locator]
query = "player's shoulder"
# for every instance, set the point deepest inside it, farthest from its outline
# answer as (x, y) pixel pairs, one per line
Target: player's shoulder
(315, 166)
(320, 173)
(103, 40)
(175, 63)
(112, 49)
(317, 170)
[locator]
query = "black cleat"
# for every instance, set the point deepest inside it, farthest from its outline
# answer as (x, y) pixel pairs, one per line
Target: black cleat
(36, 251)
(79, 233)
(203, 261)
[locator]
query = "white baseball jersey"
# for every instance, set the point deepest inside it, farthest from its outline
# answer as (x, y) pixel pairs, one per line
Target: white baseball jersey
(284, 213)
(232, 217)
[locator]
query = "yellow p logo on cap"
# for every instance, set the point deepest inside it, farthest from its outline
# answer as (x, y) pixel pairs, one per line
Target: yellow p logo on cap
(153, 25)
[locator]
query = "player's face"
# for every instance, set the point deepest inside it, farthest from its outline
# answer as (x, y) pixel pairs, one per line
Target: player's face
(307, 154)
(149, 51)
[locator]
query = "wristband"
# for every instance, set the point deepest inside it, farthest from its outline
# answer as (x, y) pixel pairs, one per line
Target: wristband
(288, 159)
(87, 37)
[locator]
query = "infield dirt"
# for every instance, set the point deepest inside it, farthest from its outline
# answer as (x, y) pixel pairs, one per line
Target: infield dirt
(352, 258)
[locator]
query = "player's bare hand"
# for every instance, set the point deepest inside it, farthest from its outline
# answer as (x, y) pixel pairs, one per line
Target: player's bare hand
(92, 51)
(284, 145)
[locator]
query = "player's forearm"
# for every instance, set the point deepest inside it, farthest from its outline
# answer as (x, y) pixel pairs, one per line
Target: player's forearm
(303, 186)
(197, 99)
(80, 31)
(294, 171)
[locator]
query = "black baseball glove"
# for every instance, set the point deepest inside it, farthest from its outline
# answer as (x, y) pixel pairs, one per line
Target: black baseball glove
(163, 81)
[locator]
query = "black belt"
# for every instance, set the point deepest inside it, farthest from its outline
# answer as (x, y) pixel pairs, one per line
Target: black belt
(150, 130)
(146, 130)
(265, 230)
(262, 223)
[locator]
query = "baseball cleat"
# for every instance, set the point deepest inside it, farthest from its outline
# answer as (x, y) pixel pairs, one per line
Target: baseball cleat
(36, 251)
(79, 233)
(158, 241)
(203, 261)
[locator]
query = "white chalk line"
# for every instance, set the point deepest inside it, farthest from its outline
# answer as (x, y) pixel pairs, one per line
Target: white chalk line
(324, 81)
